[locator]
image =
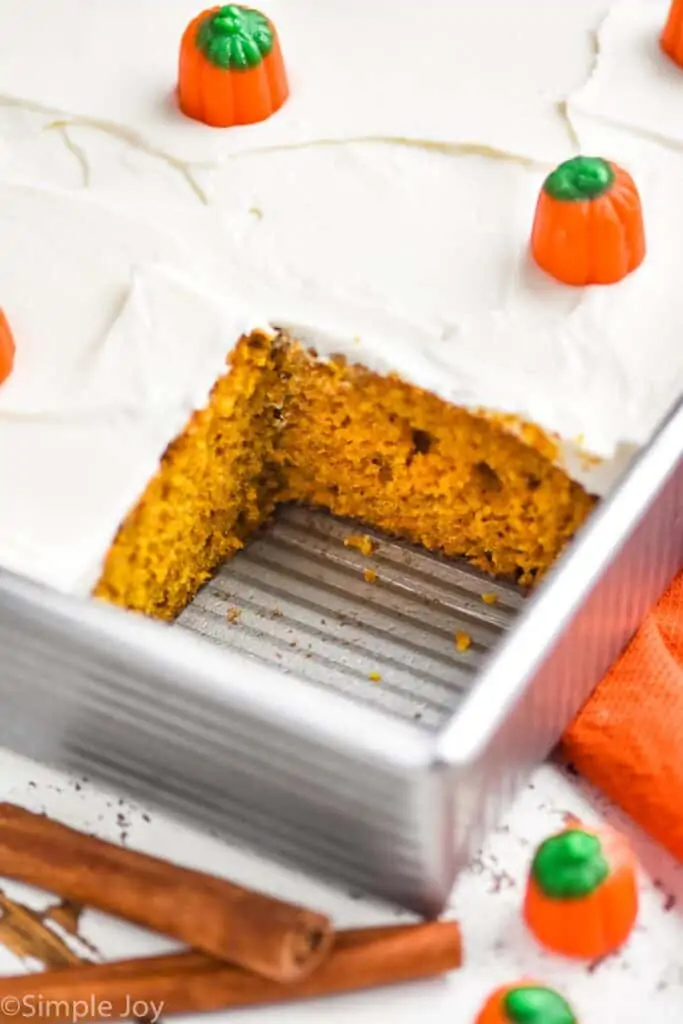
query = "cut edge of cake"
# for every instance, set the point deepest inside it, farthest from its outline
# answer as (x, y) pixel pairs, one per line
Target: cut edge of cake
(284, 426)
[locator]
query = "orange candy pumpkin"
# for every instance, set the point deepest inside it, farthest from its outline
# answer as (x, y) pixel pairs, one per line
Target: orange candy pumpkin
(526, 1002)
(582, 894)
(588, 227)
(6, 348)
(231, 70)
(671, 39)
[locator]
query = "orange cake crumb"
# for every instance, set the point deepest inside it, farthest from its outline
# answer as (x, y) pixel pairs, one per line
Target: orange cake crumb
(370, 576)
(233, 614)
(375, 677)
(489, 598)
(463, 641)
(361, 542)
(282, 426)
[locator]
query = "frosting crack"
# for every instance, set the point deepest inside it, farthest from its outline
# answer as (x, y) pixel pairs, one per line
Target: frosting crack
(60, 123)
(60, 128)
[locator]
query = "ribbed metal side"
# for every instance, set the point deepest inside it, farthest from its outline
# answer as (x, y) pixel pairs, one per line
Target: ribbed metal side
(302, 774)
(212, 732)
(355, 789)
(567, 638)
(297, 598)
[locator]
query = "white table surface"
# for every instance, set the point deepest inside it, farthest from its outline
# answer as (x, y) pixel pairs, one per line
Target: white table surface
(644, 982)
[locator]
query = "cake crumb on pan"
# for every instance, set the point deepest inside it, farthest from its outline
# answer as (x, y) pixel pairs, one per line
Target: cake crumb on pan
(463, 641)
(360, 542)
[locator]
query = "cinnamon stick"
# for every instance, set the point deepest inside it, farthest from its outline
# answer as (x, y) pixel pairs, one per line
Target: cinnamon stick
(272, 938)
(194, 983)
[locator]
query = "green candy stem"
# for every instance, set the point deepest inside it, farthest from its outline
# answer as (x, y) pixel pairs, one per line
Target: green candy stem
(584, 177)
(235, 38)
(570, 865)
(534, 1004)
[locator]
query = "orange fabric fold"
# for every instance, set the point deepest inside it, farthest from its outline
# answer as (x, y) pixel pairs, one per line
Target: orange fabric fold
(628, 739)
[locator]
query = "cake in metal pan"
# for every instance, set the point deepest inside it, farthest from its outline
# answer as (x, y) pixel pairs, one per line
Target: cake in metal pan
(337, 304)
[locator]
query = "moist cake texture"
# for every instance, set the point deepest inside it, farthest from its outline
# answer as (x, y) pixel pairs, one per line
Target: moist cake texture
(336, 305)
(284, 426)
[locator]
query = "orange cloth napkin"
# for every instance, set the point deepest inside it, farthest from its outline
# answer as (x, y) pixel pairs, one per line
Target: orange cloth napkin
(628, 739)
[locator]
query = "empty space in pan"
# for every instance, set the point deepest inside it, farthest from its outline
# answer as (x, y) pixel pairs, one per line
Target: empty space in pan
(379, 627)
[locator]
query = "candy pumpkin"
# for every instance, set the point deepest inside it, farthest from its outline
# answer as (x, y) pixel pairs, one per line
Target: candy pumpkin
(231, 70)
(671, 39)
(582, 894)
(6, 348)
(588, 227)
(527, 1002)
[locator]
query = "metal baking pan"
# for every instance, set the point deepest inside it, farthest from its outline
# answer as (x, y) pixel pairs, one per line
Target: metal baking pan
(260, 713)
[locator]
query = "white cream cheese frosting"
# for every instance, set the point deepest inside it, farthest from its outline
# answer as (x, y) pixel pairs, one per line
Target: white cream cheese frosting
(634, 85)
(384, 212)
(115, 350)
(492, 71)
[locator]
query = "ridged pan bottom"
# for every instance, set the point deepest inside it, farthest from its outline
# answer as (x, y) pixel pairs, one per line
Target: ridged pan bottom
(380, 627)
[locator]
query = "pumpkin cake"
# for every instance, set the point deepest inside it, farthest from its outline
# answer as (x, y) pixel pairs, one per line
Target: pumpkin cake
(416, 292)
